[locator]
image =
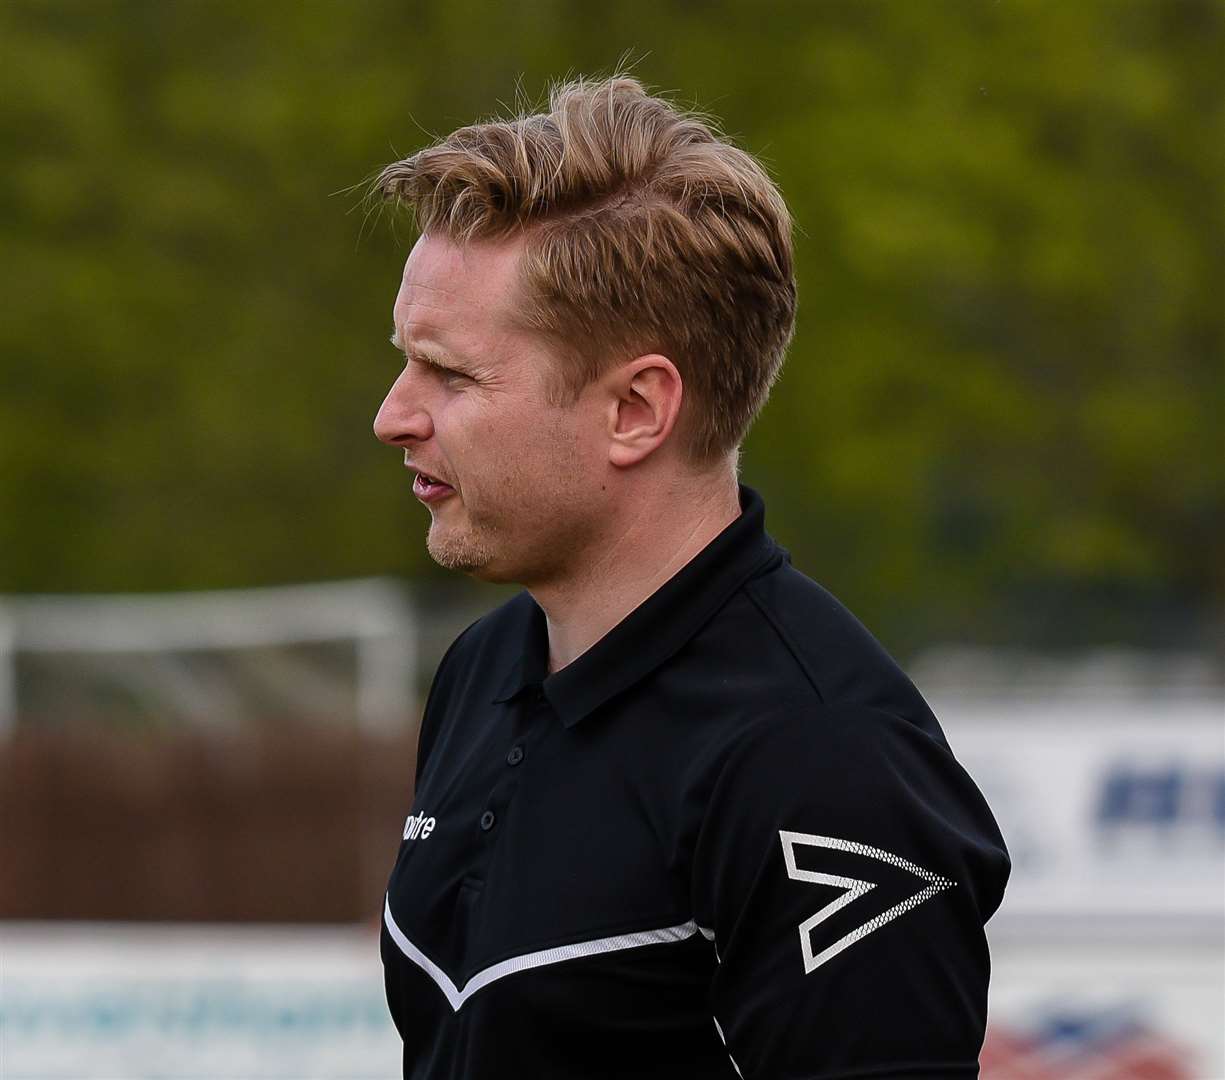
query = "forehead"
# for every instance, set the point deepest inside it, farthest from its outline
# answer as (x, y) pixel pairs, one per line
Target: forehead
(462, 291)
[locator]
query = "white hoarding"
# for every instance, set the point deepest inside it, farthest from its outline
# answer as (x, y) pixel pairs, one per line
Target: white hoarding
(109, 1002)
(1108, 953)
(1114, 812)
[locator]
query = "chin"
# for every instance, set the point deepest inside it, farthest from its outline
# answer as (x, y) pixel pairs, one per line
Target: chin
(460, 553)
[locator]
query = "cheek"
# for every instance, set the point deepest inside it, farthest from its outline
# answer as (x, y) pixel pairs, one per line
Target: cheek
(573, 459)
(471, 436)
(501, 452)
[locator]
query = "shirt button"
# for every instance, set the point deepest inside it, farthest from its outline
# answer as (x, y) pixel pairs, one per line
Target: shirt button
(487, 820)
(515, 756)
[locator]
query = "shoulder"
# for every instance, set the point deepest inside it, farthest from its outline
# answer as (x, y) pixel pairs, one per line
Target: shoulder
(828, 747)
(839, 657)
(826, 753)
(508, 620)
(492, 642)
(862, 776)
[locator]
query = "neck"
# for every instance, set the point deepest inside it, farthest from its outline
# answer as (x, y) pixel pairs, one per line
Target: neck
(654, 538)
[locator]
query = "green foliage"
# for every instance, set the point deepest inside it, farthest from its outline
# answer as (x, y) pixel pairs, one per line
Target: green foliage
(1001, 419)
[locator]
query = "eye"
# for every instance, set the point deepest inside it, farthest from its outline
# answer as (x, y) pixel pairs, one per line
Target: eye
(438, 371)
(424, 367)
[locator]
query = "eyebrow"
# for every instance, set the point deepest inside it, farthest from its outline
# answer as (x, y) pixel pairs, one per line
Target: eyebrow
(426, 353)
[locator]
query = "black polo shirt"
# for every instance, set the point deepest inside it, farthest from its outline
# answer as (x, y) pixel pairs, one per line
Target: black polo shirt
(729, 839)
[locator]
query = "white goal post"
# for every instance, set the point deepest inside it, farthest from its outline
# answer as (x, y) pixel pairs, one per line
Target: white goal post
(150, 638)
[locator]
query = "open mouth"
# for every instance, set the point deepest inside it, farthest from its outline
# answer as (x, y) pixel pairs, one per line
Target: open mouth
(430, 488)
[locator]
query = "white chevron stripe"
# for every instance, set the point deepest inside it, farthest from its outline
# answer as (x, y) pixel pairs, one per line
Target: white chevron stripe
(456, 997)
(855, 888)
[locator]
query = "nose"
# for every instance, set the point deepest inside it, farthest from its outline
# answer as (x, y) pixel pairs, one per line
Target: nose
(403, 418)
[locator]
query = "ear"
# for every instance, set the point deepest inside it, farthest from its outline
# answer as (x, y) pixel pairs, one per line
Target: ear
(645, 403)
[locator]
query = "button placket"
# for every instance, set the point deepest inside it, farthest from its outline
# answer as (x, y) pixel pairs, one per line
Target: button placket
(528, 725)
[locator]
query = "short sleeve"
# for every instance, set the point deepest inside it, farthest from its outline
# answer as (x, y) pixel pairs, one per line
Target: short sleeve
(847, 864)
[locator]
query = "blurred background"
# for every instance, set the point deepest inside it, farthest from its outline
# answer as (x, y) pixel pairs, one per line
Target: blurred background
(998, 439)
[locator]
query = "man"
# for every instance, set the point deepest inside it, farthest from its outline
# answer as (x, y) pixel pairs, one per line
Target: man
(676, 813)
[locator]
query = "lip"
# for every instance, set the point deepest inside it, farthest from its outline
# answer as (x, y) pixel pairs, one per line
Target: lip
(430, 491)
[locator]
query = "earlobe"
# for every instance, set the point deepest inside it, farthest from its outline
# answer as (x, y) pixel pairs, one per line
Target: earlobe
(648, 393)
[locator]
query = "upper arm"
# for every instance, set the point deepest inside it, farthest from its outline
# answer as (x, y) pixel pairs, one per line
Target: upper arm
(847, 864)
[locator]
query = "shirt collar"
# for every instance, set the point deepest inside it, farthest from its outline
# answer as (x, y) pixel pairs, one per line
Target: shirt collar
(654, 631)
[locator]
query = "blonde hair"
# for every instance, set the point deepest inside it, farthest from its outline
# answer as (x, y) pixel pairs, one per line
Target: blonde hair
(645, 231)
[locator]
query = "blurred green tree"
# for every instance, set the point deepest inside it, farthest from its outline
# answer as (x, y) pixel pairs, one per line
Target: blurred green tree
(1000, 420)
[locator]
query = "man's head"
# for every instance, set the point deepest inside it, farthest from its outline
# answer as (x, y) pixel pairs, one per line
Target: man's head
(644, 233)
(613, 249)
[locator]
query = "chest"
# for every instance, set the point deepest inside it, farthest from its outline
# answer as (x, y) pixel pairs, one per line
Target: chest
(526, 835)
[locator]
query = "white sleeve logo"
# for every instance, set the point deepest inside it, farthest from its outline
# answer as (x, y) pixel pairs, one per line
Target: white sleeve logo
(933, 883)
